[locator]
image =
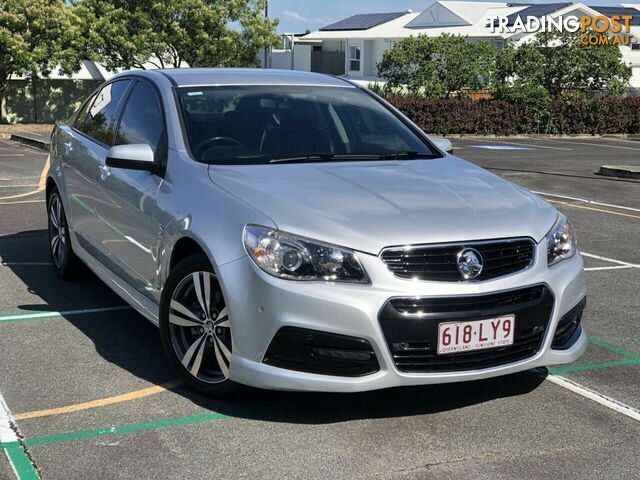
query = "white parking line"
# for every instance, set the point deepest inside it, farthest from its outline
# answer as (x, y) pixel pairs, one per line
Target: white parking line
(619, 267)
(610, 260)
(619, 147)
(7, 433)
(584, 200)
(597, 397)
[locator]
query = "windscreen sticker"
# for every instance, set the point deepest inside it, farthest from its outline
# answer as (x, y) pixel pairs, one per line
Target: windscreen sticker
(102, 100)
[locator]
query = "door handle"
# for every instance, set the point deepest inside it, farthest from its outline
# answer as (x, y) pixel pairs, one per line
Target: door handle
(104, 172)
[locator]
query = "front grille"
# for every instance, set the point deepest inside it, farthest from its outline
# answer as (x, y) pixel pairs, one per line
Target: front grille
(410, 327)
(439, 262)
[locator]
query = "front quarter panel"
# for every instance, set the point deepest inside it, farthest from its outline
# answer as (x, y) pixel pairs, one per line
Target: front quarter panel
(191, 205)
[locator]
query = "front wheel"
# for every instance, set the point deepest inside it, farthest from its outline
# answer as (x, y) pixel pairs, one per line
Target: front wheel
(194, 327)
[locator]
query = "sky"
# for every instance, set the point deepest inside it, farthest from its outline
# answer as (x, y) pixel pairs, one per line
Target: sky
(300, 15)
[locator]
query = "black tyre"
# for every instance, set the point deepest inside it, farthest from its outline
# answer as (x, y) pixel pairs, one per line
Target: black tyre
(66, 264)
(194, 327)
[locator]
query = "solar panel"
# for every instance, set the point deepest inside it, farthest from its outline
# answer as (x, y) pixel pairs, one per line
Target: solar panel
(363, 21)
(536, 11)
(611, 11)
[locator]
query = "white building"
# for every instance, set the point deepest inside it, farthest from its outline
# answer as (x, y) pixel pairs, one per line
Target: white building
(356, 44)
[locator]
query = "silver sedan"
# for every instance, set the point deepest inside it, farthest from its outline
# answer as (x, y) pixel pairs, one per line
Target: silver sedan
(294, 231)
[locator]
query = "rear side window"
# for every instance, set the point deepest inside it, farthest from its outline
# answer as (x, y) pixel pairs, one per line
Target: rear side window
(142, 120)
(100, 120)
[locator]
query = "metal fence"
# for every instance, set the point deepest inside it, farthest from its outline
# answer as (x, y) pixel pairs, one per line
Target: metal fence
(45, 100)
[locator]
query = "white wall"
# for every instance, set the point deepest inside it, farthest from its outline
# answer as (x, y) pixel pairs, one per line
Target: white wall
(634, 81)
(333, 46)
(301, 58)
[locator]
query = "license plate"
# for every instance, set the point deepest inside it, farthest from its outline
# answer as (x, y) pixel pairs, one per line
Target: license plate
(455, 337)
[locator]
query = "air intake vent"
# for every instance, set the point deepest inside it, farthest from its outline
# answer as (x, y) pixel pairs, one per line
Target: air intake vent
(410, 327)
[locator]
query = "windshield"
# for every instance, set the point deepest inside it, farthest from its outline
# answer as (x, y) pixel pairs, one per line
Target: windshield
(276, 124)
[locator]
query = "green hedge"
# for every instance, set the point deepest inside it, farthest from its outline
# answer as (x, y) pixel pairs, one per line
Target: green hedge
(565, 115)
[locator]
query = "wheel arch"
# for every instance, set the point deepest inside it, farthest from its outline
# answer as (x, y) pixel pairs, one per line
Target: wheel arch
(50, 185)
(184, 247)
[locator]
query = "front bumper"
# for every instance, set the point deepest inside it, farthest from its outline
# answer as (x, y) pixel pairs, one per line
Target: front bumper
(260, 305)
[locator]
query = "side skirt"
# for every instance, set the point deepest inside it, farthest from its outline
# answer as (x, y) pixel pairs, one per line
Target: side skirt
(135, 299)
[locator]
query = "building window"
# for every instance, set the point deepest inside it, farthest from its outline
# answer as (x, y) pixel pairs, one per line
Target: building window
(355, 54)
(635, 46)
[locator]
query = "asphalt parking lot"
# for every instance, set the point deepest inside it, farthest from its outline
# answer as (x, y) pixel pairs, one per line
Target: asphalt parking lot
(91, 395)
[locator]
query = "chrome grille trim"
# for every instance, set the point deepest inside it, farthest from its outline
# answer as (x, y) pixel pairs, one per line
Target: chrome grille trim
(437, 262)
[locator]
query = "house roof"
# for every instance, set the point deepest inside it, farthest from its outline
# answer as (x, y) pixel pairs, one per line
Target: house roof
(537, 11)
(390, 29)
(465, 18)
(471, 12)
(610, 11)
(363, 21)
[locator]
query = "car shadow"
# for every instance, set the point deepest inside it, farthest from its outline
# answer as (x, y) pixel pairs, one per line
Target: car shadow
(126, 339)
(325, 408)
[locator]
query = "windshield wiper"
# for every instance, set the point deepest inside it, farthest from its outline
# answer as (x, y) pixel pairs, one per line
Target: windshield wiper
(410, 155)
(325, 157)
(328, 157)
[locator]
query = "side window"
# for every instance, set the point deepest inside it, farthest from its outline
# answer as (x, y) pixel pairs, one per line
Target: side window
(82, 112)
(142, 120)
(100, 119)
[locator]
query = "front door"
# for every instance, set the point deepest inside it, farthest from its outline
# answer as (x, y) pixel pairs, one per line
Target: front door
(131, 236)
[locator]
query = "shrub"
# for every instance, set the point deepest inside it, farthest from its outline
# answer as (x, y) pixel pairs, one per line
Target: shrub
(438, 67)
(572, 114)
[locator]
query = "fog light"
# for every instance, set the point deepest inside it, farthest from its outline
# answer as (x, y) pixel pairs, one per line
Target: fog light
(341, 354)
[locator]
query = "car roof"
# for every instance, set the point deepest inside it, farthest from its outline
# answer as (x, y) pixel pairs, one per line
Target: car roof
(196, 77)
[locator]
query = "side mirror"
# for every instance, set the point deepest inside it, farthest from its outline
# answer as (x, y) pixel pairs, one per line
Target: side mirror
(137, 156)
(443, 144)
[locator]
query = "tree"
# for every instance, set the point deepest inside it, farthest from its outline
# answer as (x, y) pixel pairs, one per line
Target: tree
(436, 67)
(174, 33)
(35, 36)
(558, 62)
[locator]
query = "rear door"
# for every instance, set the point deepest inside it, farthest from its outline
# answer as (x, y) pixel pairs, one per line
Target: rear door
(84, 151)
(128, 197)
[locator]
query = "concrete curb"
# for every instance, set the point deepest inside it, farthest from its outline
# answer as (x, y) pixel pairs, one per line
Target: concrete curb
(619, 171)
(31, 141)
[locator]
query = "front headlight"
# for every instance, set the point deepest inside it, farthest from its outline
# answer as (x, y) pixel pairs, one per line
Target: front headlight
(287, 256)
(561, 241)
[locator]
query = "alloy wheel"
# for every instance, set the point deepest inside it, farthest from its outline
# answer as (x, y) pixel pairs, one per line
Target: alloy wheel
(199, 327)
(57, 231)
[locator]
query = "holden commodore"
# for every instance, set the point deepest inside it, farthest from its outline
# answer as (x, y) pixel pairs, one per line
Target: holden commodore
(294, 231)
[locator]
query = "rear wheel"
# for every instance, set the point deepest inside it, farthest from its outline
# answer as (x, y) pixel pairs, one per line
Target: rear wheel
(65, 262)
(195, 328)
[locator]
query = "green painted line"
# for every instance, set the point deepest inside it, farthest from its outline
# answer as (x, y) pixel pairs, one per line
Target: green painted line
(586, 367)
(21, 463)
(117, 430)
(22, 317)
(612, 348)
